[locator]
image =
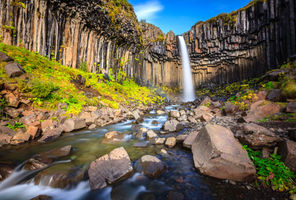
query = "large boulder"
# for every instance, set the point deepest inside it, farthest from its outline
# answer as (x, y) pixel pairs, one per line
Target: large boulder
(151, 166)
(261, 109)
(73, 125)
(14, 70)
(218, 154)
(109, 169)
(287, 150)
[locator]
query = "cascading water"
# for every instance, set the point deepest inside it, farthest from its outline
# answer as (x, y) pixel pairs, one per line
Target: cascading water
(188, 87)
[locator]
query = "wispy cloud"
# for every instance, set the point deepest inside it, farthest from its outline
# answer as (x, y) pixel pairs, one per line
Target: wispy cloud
(148, 10)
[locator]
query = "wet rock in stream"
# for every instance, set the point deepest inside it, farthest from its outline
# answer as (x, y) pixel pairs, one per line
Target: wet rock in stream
(151, 166)
(109, 169)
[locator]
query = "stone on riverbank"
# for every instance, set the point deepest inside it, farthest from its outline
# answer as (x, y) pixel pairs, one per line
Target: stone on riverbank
(218, 154)
(73, 125)
(109, 169)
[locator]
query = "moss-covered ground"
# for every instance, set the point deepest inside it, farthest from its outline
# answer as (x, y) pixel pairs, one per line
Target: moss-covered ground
(48, 83)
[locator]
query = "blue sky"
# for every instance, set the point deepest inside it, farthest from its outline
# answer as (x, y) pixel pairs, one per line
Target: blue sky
(181, 15)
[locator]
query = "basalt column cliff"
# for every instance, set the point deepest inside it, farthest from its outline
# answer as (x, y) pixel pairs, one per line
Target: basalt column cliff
(104, 35)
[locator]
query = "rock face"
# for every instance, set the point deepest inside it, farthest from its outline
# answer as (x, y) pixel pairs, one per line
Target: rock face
(218, 154)
(226, 48)
(151, 166)
(109, 169)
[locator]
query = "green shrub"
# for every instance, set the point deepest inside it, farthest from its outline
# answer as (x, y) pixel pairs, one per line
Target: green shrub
(40, 89)
(289, 89)
(83, 66)
(16, 126)
(272, 172)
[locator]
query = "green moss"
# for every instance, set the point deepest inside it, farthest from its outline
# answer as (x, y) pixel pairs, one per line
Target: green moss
(289, 89)
(50, 83)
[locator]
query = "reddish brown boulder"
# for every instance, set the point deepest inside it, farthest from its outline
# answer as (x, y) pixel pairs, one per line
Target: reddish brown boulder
(261, 109)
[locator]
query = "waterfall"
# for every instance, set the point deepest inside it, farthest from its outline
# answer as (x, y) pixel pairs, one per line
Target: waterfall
(188, 87)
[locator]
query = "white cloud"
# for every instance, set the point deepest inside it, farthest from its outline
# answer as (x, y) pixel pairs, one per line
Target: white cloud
(148, 10)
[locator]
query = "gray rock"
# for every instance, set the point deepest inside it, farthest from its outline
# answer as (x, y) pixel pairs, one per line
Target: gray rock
(181, 138)
(291, 107)
(73, 125)
(174, 114)
(5, 58)
(275, 95)
(91, 127)
(173, 125)
(151, 166)
(6, 135)
(151, 134)
(109, 169)
(51, 134)
(218, 154)
(171, 142)
(159, 141)
(287, 149)
(13, 70)
(190, 139)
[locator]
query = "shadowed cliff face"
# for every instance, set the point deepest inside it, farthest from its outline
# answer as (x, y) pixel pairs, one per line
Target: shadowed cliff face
(224, 49)
(95, 32)
(233, 47)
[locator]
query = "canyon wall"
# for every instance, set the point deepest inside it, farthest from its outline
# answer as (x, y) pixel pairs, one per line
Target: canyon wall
(103, 36)
(94, 33)
(230, 47)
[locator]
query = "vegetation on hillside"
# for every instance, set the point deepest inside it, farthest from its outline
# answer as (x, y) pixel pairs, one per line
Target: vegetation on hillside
(243, 93)
(272, 172)
(49, 83)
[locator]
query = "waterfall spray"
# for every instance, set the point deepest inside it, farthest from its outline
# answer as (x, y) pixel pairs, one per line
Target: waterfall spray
(188, 87)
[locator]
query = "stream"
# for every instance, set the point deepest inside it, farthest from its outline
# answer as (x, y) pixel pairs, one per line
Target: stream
(180, 177)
